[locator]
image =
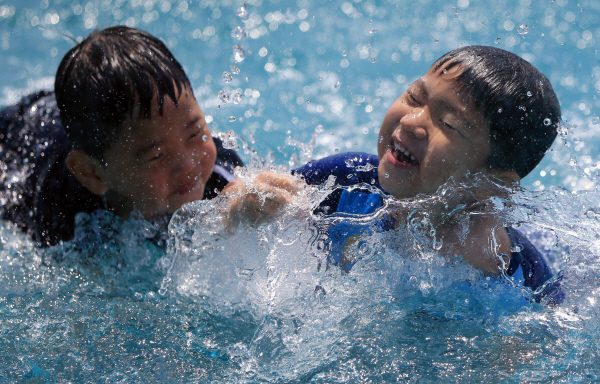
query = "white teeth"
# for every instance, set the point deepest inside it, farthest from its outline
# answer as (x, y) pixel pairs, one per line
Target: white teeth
(400, 148)
(413, 158)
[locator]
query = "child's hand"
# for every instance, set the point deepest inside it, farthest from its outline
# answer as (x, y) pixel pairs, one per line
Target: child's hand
(260, 199)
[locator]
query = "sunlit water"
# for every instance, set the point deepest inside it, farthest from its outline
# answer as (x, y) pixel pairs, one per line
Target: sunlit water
(259, 305)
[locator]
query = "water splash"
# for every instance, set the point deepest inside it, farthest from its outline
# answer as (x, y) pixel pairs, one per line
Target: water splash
(238, 53)
(306, 149)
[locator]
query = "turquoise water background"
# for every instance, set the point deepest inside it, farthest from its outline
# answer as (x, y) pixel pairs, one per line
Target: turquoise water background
(297, 51)
(256, 306)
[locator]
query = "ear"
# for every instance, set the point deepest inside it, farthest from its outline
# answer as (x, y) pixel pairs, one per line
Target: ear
(88, 171)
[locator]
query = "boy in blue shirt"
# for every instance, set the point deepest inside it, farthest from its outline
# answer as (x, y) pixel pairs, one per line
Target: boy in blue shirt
(130, 136)
(477, 110)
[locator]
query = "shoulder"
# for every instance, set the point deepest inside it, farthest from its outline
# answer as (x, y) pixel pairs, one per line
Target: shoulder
(535, 268)
(348, 168)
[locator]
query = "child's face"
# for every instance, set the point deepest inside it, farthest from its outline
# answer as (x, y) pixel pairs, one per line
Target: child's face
(159, 164)
(431, 133)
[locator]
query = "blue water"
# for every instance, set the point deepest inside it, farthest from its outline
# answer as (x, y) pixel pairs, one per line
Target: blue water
(255, 306)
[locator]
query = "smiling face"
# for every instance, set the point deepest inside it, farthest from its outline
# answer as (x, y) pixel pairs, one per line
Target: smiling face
(431, 133)
(158, 164)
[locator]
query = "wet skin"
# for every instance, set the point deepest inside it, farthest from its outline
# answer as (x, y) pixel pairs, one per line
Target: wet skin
(161, 163)
(429, 134)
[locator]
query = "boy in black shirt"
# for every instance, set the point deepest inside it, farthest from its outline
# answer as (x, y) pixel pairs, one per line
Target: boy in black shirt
(130, 136)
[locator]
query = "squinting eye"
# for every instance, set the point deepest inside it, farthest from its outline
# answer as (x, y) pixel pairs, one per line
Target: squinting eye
(412, 98)
(447, 125)
(155, 158)
(195, 134)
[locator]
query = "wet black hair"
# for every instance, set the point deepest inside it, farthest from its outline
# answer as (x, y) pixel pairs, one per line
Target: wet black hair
(516, 99)
(110, 78)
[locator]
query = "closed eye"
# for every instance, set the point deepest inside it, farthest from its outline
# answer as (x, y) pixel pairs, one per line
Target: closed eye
(448, 125)
(155, 158)
(412, 98)
(195, 134)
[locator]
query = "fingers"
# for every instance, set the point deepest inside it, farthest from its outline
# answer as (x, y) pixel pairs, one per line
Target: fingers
(260, 199)
(283, 182)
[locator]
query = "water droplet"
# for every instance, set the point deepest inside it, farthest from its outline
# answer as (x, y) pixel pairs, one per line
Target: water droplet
(497, 40)
(237, 98)
(595, 120)
(344, 53)
(234, 69)
(224, 95)
(507, 14)
(238, 33)
(372, 60)
(373, 31)
(499, 110)
(227, 77)
(529, 93)
(204, 138)
(516, 248)
(242, 12)
(381, 139)
(437, 40)
(337, 85)
(229, 139)
(238, 53)
(547, 121)
(387, 175)
(523, 29)
(307, 101)
(337, 150)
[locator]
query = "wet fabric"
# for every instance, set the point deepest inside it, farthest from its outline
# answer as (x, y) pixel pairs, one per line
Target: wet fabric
(37, 191)
(527, 261)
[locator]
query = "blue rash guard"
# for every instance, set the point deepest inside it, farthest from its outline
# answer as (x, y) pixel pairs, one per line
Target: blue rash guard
(527, 266)
(37, 191)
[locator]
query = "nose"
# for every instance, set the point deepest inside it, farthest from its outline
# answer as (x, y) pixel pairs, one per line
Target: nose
(415, 122)
(185, 161)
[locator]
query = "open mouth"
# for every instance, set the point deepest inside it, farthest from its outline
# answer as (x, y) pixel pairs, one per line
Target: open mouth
(402, 154)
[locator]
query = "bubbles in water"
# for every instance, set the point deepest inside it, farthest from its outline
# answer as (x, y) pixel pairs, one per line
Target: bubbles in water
(224, 95)
(523, 29)
(547, 121)
(497, 40)
(227, 77)
(242, 12)
(337, 85)
(595, 120)
(529, 93)
(238, 33)
(237, 98)
(231, 118)
(234, 69)
(238, 53)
